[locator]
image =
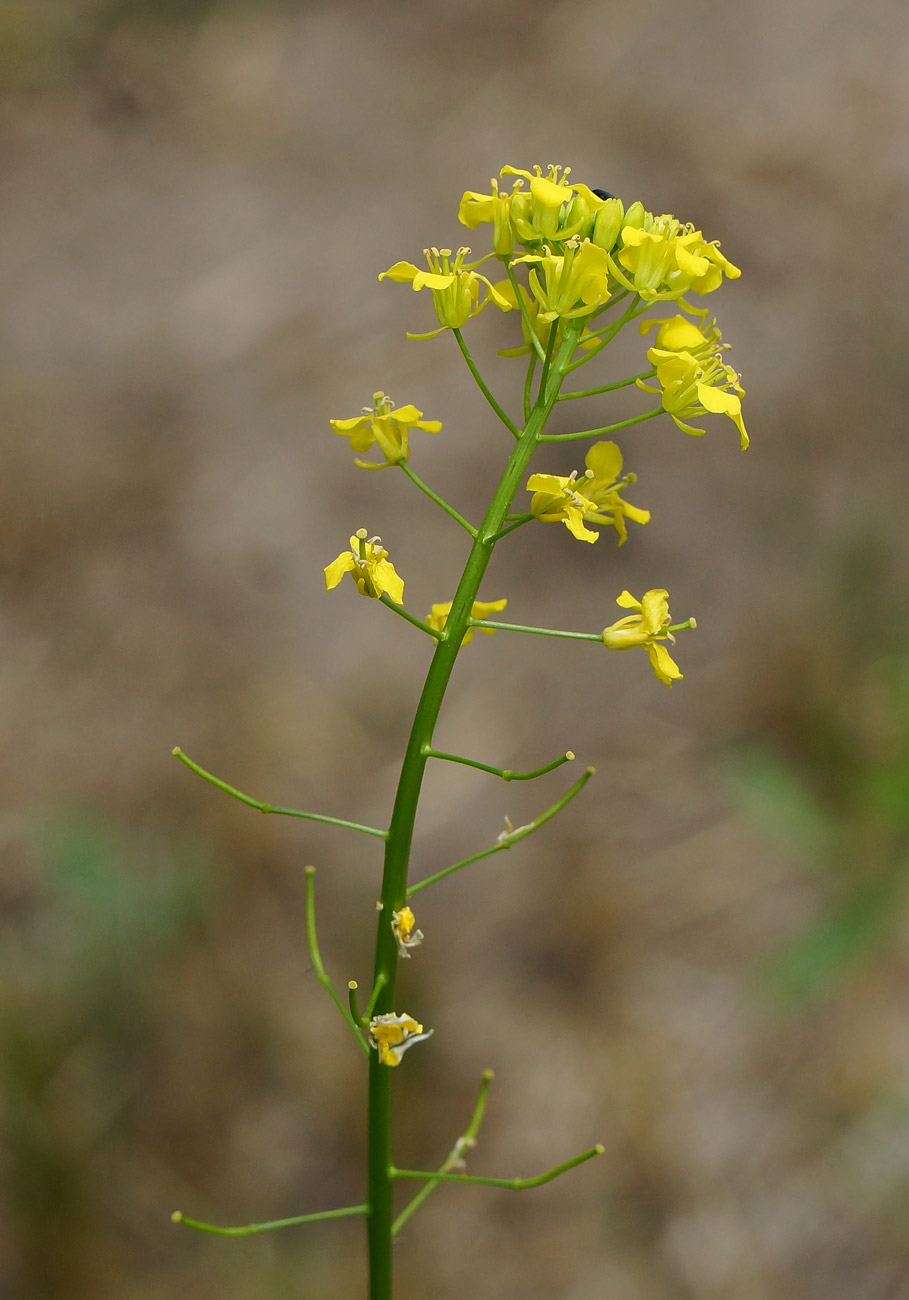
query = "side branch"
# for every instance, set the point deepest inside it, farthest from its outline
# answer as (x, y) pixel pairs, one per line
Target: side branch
(513, 1184)
(504, 772)
(509, 837)
(385, 599)
(269, 808)
(606, 388)
(316, 958)
(481, 384)
(433, 496)
(250, 1229)
(454, 1158)
(598, 433)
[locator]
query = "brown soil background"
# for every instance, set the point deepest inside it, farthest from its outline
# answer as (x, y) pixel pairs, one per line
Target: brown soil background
(196, 200)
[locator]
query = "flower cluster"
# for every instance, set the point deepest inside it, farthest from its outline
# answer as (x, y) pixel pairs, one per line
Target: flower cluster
(573, 254)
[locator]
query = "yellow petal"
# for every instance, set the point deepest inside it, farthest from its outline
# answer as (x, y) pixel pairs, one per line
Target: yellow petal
(335, 571)
(605, 459)
(402, 272)
(664, 665)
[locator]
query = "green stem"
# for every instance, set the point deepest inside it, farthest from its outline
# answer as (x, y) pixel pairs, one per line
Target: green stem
(449, 510)
(535, 344)
(380, 983)
(454, 1157)
(269, 808)
(352, 987)
(410, 618)
(514, 1184)
(544, 631)
(607, 334)
(598, 433)
(481, 384)
(528, 384)
(606, 388)
(315, 957)
(504, 772)
(508, 838)
(513, 524)
(250, 1229)
(400, 832)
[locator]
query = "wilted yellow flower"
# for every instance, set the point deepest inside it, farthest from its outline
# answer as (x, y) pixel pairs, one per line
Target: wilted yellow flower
(385, 426)
(455, 288)
(438, 617)
(647, 627)
(594, 498)
(368, 564)
(393, 1035)
(403, 925)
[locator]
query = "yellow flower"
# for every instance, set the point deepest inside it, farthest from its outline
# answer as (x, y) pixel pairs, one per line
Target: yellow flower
(388, 428)
(403, 927)
(479, 609)
(455, 288)
(557, 498)
(678, 334)
(476, 208)
(367, 563)
(662, 257)
(571, 283)
(693, 385)
(552, 211)
(647, 627)
(393, 1035)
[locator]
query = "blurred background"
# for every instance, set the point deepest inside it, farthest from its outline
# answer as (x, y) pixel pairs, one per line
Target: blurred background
(704, 964)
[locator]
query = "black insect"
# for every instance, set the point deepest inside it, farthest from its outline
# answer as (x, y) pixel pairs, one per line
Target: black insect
(603, 194)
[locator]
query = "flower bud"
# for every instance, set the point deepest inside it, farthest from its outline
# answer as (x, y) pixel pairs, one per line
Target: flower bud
(609, 221)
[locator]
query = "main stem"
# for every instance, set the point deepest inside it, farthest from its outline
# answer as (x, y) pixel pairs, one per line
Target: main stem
(400, 834)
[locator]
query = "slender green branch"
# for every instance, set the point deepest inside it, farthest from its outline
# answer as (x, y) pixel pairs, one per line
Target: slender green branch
(548, 360)
(606, 335)
(528, 385)
(481, 384)
(509, 837)
(449, 510)
(352, 987)
(269, 808)
(381, 981)
(606, 388)
(543, 631)
(251, 1229)
(315, 957)
(598, 433)
(504, 772)
(535, 343)
(453, 1159)
(516, 522)
(410, 618)
(514, 1184)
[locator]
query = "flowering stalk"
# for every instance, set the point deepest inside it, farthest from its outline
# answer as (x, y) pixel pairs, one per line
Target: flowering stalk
(584, 255)
(380, 1181)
